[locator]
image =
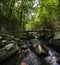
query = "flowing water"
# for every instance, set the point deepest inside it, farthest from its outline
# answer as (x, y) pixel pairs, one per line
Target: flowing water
(52, 58)
(31, 58)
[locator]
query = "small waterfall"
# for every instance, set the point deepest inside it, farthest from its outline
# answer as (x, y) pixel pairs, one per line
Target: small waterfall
(52, 59)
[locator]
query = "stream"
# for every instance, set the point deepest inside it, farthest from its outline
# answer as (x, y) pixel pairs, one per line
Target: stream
(33, 59)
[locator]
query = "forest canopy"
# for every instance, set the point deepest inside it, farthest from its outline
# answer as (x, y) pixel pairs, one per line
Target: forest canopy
(24, 15)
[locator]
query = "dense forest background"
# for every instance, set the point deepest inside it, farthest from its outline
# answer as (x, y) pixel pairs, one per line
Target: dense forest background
(30, 29)
(17, 16)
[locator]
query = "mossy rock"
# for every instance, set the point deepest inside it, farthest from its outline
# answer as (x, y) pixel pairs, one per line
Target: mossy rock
(7, 51)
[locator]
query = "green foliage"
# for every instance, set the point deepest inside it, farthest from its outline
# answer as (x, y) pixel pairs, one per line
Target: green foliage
(17, 16)
(48, 15)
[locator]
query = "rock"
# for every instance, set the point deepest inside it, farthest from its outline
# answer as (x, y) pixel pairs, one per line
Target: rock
(55, 44)
(4, 41)
(39, 50)
(7, 51)
(23, 47)
(1, 37)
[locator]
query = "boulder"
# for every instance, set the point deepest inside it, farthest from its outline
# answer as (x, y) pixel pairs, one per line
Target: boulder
(7, 51)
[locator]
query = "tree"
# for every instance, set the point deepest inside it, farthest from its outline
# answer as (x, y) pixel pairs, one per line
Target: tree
(15, 14)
